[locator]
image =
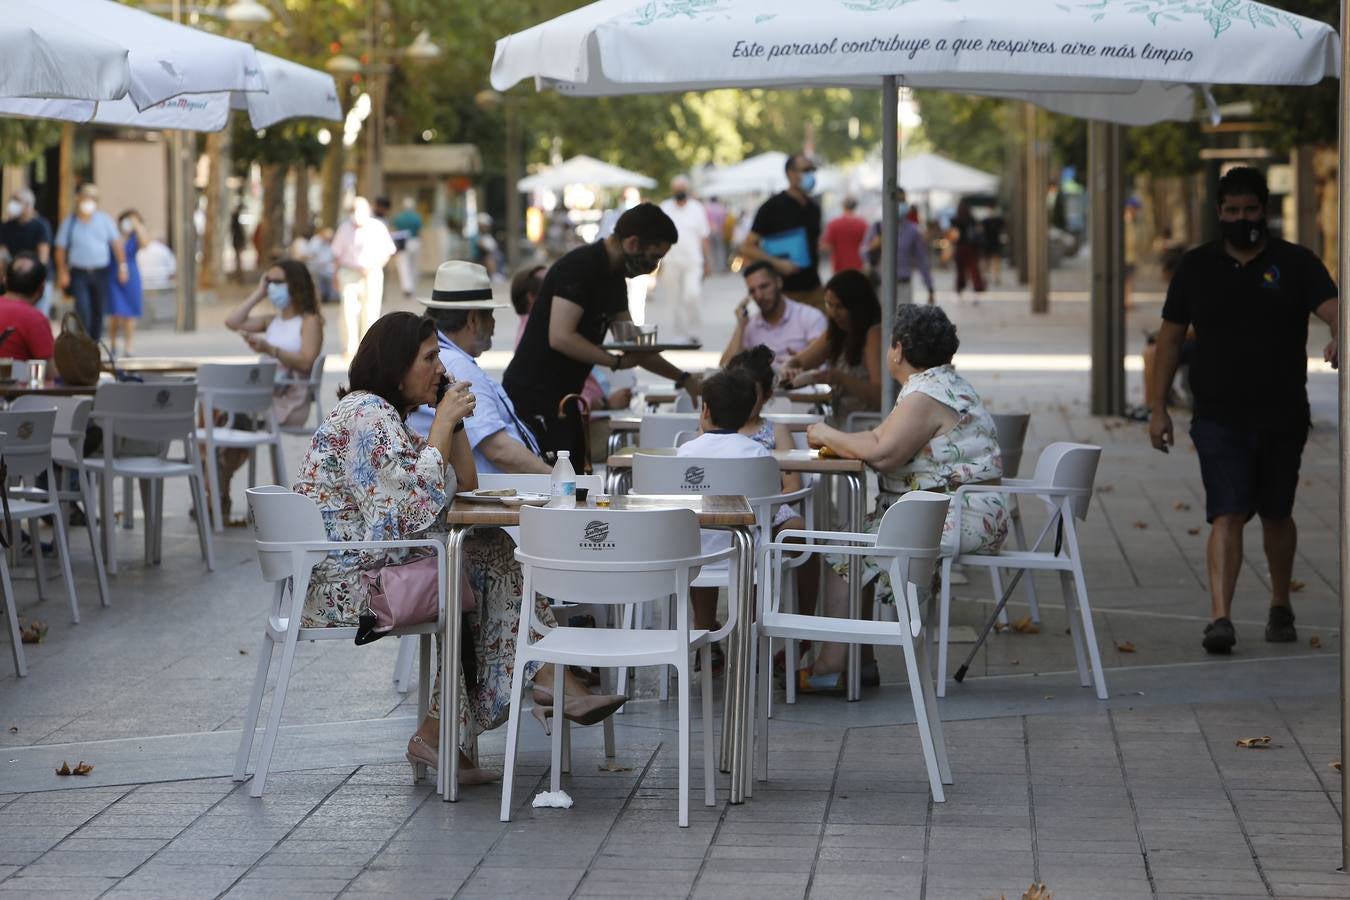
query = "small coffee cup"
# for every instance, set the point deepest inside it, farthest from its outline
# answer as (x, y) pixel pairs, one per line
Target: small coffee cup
(581, 494)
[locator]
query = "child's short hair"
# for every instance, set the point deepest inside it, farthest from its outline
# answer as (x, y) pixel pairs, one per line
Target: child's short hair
(730, 398)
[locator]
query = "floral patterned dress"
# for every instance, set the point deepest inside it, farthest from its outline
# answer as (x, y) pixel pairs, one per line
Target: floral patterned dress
(967, 454)
(375, 479)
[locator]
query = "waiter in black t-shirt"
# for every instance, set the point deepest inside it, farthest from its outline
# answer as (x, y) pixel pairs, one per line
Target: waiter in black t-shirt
(582, 294)
(786, 234)
(1248, 297)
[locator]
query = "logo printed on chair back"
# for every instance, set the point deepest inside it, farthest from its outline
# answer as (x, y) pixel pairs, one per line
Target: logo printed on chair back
(253, 376)
(693, 479)
(25, 430)
(595, 536)
(162, 399)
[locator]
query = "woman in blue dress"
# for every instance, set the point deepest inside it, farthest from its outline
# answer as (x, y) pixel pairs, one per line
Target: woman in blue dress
(125, 300)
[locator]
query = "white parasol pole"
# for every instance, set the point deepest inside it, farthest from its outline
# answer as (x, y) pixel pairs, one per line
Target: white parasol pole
(890, 163)
(1343, 408)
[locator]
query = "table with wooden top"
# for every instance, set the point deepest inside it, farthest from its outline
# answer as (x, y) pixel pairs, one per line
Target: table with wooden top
(729, 513)
(49, 389)
(623, 427)
(851, 473)
(158, 365)
(814, 395)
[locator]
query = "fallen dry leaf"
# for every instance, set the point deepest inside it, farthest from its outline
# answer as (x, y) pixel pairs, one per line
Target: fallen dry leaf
(1192, 530)
(1024, 625)
(1253, 743)
(1336, 764)
(615, 767)
(1125, 646)
(14, 729)
(999, 627)
(1037, 891)
(1315, 642)
(1014, 662)
(1049, 696)
(1140, 525)
(65, 768)
(1295, 586)
(243, 652)
(83, 768)
(1106, 489)
(1181, 506)
(34, 633)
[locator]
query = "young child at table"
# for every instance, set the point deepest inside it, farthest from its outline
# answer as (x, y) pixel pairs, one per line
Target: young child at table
(729, 399)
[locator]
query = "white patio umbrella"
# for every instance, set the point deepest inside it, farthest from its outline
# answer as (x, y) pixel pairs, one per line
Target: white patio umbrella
(585, 170)
(44, 54)
(930, 172)
(294, 91)
(164, 59)
(762, 174)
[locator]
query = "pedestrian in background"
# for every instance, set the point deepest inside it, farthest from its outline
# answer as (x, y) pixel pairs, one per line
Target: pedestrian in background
(786, 234)
(679, 281)
(407, 230)
(843, 238)
(362, 248)
(26, 231)
(89, 254)
(125, 299)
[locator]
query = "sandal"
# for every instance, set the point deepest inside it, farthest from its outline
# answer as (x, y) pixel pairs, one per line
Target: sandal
(827, 683)
(780, 658)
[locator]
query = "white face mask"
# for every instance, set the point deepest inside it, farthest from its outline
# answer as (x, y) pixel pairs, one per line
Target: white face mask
(87, 207)
(14, 208)
(126, 225)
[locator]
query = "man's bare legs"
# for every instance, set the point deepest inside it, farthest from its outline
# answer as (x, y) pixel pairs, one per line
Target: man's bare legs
(1280, 538)
(1223, 557)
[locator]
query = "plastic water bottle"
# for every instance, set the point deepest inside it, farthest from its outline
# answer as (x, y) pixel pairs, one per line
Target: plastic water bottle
(563, 483)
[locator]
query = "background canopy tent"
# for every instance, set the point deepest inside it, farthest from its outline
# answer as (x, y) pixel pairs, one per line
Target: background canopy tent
(930, 172)
(294, 91)
(762, 174)
(583, 170)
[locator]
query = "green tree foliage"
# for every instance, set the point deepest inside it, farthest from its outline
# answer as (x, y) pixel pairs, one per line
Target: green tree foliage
(1301, 115)
(24, 140)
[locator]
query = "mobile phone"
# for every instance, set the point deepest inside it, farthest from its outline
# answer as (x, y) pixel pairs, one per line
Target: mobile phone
(441, 389)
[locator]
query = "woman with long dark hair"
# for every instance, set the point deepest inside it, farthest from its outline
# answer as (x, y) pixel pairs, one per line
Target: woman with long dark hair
(849, 350)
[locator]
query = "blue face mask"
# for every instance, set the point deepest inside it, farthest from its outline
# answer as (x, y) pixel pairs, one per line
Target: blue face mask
(902, 209)
(808, 182)
(279, 294)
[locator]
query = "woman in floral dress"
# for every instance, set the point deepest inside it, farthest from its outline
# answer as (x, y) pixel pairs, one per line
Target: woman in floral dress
(374, 478)
(938, 437)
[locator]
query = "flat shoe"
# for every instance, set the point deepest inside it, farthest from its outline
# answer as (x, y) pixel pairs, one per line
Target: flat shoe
(827, 683)
(1220, 636)
(1280, 626)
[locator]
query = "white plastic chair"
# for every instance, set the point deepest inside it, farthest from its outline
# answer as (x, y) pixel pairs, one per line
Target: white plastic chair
(1063, 481)
(290, 540)
(72, 420)
(660, 429)
(612, 557)
(160, 412)
(26, 444)
(684, 402)
(757, 478)
(531, 483)
(237, 389)
(908, 537)
(313, 387)
(1012, 434)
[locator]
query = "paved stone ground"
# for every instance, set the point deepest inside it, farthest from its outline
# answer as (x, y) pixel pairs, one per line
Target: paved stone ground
(1145, 795)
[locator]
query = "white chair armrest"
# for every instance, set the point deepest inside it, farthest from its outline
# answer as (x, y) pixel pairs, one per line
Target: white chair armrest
(856, 537)
(841, 549)
(340, 546)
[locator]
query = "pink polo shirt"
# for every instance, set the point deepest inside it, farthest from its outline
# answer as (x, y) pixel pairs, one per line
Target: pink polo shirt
(799, 326)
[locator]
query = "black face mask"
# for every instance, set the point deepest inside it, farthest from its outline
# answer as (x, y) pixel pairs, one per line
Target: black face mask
(1244, 234)
(681, 196)
(636, 264)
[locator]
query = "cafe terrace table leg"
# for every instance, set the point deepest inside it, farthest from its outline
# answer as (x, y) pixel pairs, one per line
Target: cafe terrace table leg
(447, 773)
(857, 498)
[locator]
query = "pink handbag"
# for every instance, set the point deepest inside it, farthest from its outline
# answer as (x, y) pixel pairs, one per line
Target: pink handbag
(402, 595)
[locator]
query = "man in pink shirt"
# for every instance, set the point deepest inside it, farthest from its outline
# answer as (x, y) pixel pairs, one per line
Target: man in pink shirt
(28, 334)
(362, 247)
(783, 325)
(843, 236)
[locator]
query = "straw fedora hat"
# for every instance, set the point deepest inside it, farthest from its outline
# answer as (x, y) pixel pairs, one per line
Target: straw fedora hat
(461, 285)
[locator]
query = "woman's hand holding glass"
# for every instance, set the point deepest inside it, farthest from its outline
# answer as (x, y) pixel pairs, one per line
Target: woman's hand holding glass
(457, 404)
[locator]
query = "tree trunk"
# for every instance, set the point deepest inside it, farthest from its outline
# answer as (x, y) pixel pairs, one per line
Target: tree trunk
(303, 223)
(218, 147)
(272, 243)
(331, 173)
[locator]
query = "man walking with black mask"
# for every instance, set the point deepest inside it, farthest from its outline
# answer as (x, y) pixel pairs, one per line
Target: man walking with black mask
(582, 295)
(1248, 297)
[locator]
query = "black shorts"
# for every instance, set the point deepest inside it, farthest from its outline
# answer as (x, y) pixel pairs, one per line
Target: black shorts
(1248, 470)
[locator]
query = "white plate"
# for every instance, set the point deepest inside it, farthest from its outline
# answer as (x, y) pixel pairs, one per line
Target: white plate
(793, 418)
(477, 497)
(525, 499)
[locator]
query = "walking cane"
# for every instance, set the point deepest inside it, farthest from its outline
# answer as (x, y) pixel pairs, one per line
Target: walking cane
(1058, 522)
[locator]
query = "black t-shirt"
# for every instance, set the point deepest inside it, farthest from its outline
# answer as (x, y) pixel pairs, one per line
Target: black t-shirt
(539, 376)
(1250, 366)
(781, 213)
(20, 236)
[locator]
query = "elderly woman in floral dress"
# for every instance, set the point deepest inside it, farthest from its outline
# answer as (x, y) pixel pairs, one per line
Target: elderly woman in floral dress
(373, 478)
(938, 437)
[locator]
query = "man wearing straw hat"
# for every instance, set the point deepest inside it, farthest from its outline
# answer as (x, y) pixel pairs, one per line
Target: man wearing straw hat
(461, 305)
(583, 294)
